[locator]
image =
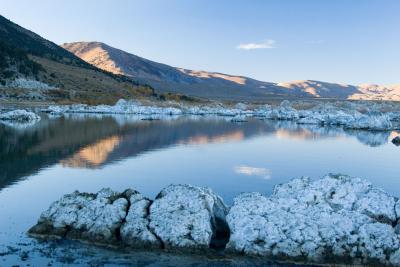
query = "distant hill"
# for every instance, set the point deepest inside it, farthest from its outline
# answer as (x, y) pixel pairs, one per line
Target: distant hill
(165, 78)
(345, 91)
(218, 85)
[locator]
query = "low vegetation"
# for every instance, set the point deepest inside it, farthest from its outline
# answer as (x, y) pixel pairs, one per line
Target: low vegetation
(14, 61)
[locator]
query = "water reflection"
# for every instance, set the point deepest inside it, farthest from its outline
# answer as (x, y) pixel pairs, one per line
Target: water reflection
(287, 129)
(95, 141)
(253, 171)
(205, 139)
(93, 155)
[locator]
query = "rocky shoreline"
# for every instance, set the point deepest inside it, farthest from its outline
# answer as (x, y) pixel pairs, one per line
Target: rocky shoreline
(336, 219)
(349, 115)
(369, 116)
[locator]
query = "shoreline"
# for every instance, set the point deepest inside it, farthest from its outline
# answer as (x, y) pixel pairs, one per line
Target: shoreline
(363, 115)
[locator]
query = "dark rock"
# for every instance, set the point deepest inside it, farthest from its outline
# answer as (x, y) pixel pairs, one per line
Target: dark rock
(396, 141)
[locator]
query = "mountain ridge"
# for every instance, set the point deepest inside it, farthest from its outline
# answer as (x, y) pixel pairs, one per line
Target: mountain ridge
(215, 84)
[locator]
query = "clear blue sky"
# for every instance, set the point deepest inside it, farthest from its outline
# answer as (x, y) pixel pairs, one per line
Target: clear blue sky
(345, 41)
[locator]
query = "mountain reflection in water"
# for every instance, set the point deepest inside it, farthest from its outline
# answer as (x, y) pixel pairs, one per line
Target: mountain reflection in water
(95, 141)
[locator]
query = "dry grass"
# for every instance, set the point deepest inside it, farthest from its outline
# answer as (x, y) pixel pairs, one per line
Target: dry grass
(80, 85)
(76, 84)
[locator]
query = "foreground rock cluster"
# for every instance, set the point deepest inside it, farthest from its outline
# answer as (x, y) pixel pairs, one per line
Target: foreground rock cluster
(336, 219)
(181, 216)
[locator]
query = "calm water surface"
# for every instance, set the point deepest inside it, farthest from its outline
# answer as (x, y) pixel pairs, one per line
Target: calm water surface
(56, 156)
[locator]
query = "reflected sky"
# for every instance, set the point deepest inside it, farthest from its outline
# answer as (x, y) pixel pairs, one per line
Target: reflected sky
(57, 156)
(253, 171)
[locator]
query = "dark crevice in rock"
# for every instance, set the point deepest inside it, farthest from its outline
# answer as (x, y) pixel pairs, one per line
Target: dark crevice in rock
(159, 195)
(396, 226)
(68, 229)
(118, 230)
(395, 222)
(378, 218)
(127, 195)
(221, 234)
(162, 245)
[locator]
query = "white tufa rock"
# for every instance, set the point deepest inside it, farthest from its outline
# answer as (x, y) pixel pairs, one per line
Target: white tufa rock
(93, 217)
(121, 107)
(341, 114)
(337, 217)
(19, 115)
(283, 112)
(182, 216)
(135, 231)
(186, 217)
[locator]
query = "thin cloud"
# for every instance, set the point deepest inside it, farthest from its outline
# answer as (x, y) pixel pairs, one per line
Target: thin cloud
(315, 42)
(253, 171)
(263, 45)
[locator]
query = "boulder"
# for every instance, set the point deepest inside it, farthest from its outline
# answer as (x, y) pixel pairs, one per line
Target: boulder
(283, 112)
(181, 217)
(334, 219)
(396, 141)
(370, 122)
(92, 217)
(188, 217)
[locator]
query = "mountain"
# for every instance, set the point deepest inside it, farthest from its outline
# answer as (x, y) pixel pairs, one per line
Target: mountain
(165, 78)
(32, 67)
(218, 85)
(31, 43)
(378, 92)
(345, 91)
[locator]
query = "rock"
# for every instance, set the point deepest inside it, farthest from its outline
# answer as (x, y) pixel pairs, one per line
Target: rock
(93, 217)
(283, 112)
(135, 231)
(396, 141)
(181, 217)
(334, 219)
(373, 122)
(121, 107)
(350, 119)
(241, 106)
(187, 217)
(343, 114)
(19, 115)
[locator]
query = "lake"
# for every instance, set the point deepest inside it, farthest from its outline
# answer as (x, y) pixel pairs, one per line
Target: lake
(39, 164)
